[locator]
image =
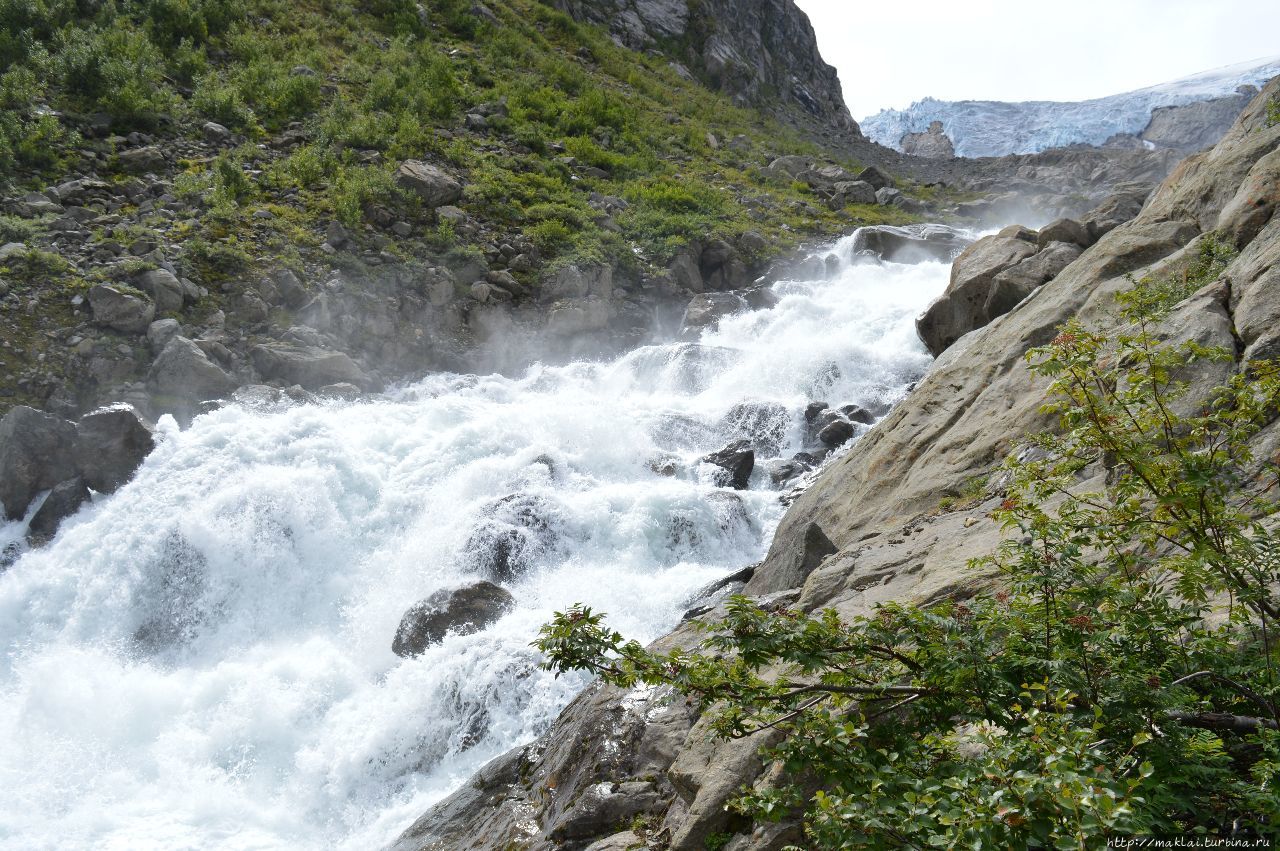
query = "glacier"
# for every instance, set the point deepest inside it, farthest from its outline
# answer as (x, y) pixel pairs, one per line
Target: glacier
(986, 128)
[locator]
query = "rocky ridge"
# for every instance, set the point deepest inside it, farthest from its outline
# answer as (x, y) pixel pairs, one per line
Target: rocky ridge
(876, 526)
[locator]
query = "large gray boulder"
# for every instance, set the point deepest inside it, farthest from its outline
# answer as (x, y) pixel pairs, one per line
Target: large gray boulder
(849, 192)
(183, 375)
(110, 446)
(36, 453)
(164, 288)
(120, 310)
(962, 307)
(463, 610)
(311, 366)
(435, 187)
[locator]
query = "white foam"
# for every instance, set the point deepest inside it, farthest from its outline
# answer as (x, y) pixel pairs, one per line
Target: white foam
(202, 660)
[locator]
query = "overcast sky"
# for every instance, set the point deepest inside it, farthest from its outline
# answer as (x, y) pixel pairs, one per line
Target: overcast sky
(892, 53)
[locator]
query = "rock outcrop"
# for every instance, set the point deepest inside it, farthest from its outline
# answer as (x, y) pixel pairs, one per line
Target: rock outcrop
(932, 144)
(872, 528)
(761, 53)
(463, 610)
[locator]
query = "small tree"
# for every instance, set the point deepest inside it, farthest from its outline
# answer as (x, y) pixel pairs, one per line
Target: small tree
(1121, 682)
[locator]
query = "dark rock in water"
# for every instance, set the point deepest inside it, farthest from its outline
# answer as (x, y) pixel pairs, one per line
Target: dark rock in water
(812, 410)
(463, 610)
(35, 455)
(706, 309)
(782, 471)
(514, 532)
(836, 433)
(110, 446)
(731, 584)
(857, 414)
(183, 376)
(737, 460)
(731, 512)
(9, 555)
(764, 424)
(63, 501)
(169, 600)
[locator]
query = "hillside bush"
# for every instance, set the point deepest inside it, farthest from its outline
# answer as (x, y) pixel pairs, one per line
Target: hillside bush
(1119, 678)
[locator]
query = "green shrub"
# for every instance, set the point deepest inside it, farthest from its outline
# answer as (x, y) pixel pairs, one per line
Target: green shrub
(1121, 682)
(220, 101)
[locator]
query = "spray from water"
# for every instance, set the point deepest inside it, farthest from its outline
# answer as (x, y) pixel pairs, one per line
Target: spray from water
(202, 660)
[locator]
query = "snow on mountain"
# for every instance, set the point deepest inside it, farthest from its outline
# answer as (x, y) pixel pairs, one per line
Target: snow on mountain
(981, 128)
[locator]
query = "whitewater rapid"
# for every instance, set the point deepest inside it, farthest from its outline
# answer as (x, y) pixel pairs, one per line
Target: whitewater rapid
(202, 660)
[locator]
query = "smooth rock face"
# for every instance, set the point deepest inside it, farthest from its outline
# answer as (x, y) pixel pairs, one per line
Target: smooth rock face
(435, 187)
(120, 311)
(463, 610)
(110, 446)
(36, 453)
(312, 367)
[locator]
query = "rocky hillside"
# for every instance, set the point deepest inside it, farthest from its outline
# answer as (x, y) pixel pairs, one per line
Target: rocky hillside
(1156, 116)
(899, 515)
(761, 53)
(331, 198)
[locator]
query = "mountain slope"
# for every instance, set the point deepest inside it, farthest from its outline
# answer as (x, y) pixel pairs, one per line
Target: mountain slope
(981, 128)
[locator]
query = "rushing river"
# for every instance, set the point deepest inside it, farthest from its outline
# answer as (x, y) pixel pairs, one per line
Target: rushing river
(203, 659)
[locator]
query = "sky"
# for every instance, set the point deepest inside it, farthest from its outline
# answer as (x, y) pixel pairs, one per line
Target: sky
(890, 54)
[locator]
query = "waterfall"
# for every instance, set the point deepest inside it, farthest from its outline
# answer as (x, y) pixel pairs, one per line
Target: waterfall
(203, 659)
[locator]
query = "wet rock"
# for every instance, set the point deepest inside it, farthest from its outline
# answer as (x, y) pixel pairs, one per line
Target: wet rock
(433, 186)
(120, 311)
(110, 446)
(513, 533)
(35, 455)
(603, 806)
(731, 513)
(64, 500)
(737, 460)
(764, 424)
(813, 410)
(463, 610)
(706, 309)
(857, 414)
(836, 433)
(312, 367)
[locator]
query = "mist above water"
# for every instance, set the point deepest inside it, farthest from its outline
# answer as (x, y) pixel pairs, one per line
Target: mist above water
(202, 660)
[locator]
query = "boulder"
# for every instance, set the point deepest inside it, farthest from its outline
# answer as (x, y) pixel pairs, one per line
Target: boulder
(1064, 230)
(435, 187)
(463, 610)
(312, 367)
(64, 500)
(110, 446)
(852, 192)
(706, 309)
(512, 533)
(803, 560)
(836, 433)
(119, 310)
(1013, 285)
(160, 332)
(791, 166)
(825, 178)
(182, 374)
(887, 195)
(763, 424)
(737, 460)
(962, 307)
(911, 244)
(1114, 211)
(877, 178)
(36, 453)
(164, 288)
(141, 160)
